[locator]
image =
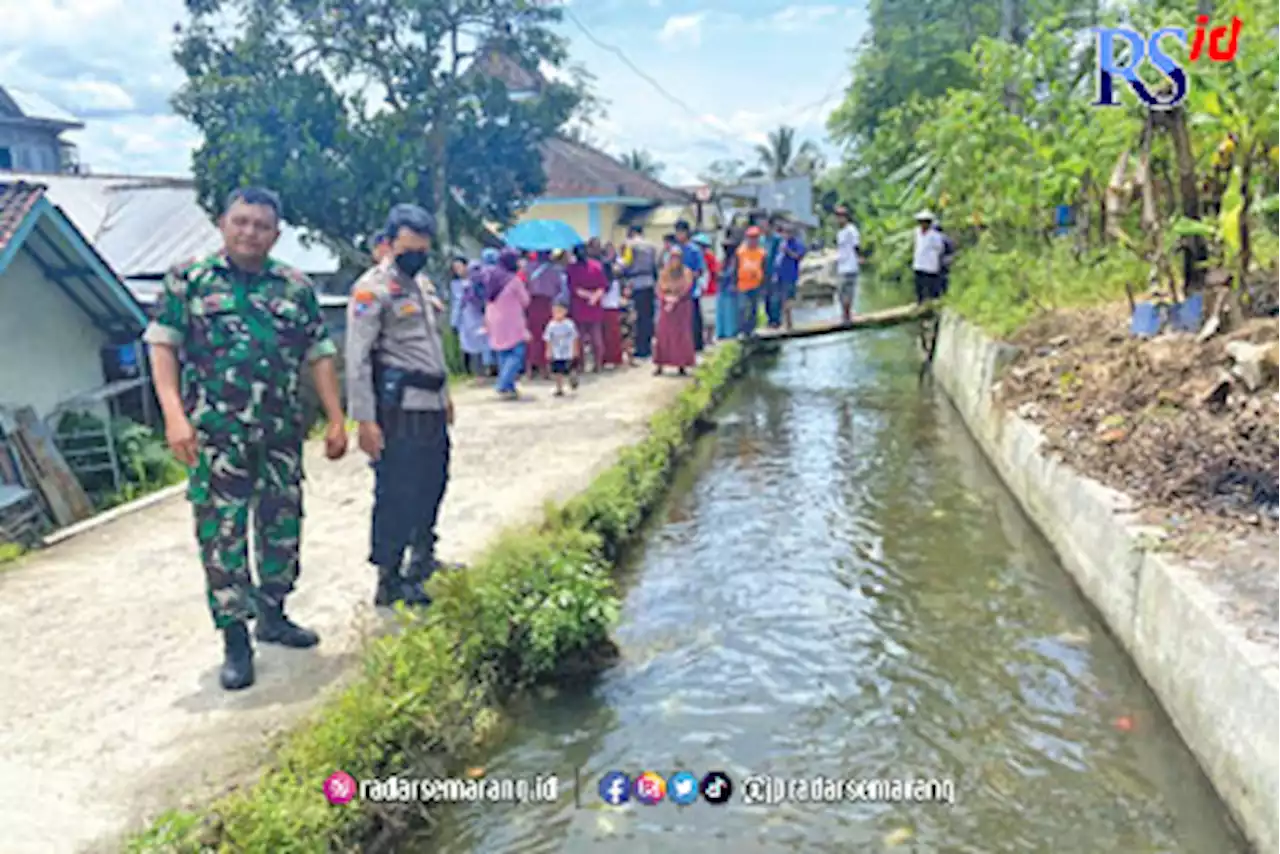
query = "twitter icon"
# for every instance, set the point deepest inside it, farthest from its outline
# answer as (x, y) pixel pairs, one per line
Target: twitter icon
(682, 788)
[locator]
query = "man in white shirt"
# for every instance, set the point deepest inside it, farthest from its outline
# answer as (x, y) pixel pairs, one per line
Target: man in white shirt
(848, 260)
(927, 260)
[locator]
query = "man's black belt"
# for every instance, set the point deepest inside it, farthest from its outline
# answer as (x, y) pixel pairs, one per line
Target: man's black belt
(390, 383)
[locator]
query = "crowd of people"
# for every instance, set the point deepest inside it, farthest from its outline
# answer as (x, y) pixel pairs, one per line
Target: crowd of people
(556, 314)
(233, 332)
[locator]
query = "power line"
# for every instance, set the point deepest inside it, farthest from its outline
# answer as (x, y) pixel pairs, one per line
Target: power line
(831, 92)
(658, 87)
(802, 113)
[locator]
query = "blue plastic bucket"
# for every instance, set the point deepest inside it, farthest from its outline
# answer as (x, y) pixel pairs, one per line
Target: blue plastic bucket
(1187, 316)
(1146, 320)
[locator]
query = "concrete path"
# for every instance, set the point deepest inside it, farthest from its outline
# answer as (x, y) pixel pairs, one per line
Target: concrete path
(110, 709)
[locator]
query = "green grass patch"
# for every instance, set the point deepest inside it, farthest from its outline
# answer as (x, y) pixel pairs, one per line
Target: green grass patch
(10, 553)
(1002, 290)
(537, 607)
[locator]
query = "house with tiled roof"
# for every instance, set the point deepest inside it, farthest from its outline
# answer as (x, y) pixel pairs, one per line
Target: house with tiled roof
(68, 325)
(600, 197)
(588, 189)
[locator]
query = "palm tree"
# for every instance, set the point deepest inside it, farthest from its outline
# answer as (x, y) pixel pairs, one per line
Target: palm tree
(642, 161)
(782, 158)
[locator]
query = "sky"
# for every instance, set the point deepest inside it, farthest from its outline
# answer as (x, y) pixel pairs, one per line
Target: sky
(725, 72)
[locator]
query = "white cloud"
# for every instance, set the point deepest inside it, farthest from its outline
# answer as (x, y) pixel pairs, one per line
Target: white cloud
(120, 85)
(794, 18)
(41, 20)
(684, 30)
(97, 95)
(108, 62)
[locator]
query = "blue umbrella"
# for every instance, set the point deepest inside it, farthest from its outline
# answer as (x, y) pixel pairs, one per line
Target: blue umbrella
(543, 235)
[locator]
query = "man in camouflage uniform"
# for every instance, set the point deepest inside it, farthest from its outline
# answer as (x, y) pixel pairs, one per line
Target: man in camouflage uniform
(397, 391)
(241, 326)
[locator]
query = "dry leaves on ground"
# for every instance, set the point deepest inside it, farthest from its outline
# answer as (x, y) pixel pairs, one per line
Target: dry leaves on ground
(1162, 419)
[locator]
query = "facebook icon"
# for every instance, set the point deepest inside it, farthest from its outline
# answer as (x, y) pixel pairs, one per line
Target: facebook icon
(615, 788)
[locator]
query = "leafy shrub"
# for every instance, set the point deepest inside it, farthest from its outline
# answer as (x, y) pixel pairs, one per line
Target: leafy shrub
(141, 453)
(1000, 291)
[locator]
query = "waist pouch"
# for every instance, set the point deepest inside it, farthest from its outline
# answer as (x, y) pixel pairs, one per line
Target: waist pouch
(390, 383)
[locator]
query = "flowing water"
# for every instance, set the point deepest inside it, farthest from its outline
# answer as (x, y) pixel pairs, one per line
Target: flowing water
(839, 585)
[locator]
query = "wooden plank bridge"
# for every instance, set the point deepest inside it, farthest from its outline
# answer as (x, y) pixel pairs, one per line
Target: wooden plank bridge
(874, 320)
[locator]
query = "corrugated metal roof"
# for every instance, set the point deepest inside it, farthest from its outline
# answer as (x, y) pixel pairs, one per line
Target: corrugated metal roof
(32, 106)
(143, 226)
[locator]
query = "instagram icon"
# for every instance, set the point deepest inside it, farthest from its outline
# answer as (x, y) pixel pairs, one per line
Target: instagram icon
(650, 788)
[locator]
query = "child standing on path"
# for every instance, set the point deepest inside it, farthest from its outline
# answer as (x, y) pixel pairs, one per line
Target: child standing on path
(561, 338)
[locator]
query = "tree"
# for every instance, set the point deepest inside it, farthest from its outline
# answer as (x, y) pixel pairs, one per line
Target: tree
(782, 158)
(724, 173)
(642, 161)
(348, 106)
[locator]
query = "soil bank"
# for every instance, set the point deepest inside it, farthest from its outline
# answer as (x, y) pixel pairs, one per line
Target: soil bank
(112, 712)
(1200, 633)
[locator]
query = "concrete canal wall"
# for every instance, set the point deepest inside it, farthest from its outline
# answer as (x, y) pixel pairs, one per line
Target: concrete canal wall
(1220, 687)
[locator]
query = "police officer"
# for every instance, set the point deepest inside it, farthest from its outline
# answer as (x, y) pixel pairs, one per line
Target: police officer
(397, 392)
(240, 325)
(380, 246)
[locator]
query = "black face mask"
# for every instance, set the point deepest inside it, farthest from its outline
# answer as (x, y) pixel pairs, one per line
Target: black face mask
(411, 262)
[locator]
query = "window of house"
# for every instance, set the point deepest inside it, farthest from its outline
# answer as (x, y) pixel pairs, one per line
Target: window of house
(6, 158)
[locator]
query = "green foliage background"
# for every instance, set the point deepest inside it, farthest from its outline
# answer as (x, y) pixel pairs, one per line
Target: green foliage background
(987, 118)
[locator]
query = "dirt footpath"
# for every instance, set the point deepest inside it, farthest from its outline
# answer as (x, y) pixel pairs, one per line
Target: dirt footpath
(110, 709)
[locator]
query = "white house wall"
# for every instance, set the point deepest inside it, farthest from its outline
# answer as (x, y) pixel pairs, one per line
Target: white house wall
(49, 351)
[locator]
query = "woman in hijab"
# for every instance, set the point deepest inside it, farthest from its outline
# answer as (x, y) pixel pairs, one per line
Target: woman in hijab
(504, 318)
(587, 287)
(674, 346)
(547, 284)
(466, 316)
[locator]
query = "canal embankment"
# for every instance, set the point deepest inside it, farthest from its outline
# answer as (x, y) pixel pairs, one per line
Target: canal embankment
(1187, 625)
(550, 491)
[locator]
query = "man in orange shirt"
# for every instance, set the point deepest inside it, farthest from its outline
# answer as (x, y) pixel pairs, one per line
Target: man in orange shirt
(751, 274)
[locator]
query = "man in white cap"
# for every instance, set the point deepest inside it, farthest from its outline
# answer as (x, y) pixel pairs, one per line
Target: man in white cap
(927, 260)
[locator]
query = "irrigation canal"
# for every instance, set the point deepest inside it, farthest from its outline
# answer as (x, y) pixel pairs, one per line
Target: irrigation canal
(839, 585)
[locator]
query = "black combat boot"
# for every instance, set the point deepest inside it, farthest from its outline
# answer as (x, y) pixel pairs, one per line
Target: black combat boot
(414, 594)
(390, 588)
(237, 668)
(274, 627)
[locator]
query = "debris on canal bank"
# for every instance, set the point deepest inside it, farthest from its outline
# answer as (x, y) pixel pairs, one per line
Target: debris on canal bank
(1186, 427)
(537, 607)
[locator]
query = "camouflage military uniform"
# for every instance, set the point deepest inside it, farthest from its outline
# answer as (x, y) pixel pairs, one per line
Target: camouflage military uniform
(244, 339)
